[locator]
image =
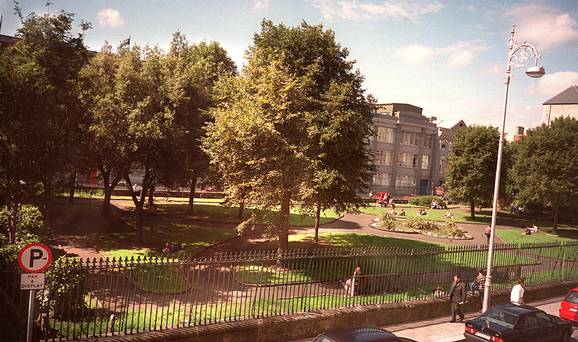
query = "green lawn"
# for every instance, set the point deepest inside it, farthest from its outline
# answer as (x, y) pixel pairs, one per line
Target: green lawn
(513, 235)
(217, 212)
(158, 278)
(460, 214)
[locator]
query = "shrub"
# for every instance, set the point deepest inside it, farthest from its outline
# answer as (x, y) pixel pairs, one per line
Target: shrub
(28, 219)
(452, 230)
(424, 201)
(421, 224)
(65, 290)
(388, 221)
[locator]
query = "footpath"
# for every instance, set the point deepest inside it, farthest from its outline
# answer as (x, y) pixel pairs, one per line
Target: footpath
(440, 330)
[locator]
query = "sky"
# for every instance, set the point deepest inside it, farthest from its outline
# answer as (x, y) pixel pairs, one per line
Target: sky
(448, 57)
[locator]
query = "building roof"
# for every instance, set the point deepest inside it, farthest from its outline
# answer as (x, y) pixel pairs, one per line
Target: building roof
(568, 96)
(7, 40)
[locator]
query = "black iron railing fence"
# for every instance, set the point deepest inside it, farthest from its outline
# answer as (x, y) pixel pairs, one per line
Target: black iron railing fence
(91, 298)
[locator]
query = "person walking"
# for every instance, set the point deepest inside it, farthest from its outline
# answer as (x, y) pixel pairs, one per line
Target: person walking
(517, 294)
(458, 297)
(487, 233)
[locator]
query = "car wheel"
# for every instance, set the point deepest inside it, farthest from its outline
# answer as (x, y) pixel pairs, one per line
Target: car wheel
(566, 337)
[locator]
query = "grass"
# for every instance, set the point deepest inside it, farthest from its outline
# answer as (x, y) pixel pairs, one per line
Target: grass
(460, 214)
(515, 236)
(221, 213)
(158, 278)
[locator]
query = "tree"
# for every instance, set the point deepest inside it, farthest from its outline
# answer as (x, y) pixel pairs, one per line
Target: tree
(102, 93)
(281, 124)
(41, 117)
(472, 165)
(193, 71)
(545, 170)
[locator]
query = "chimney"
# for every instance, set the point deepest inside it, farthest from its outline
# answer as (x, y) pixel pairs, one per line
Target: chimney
(519, 133)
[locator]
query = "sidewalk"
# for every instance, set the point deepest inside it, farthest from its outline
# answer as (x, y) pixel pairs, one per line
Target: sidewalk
(440, 330)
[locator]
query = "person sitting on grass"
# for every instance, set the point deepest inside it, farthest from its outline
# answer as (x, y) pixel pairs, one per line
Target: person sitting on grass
(449, 215)
(402, 212)
(422, 212)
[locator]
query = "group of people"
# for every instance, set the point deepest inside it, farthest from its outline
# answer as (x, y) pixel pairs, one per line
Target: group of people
(458, 294)
(438, 205)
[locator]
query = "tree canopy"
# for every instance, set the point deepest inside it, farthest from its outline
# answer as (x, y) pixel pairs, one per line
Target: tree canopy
(293, 125)
(545, 169)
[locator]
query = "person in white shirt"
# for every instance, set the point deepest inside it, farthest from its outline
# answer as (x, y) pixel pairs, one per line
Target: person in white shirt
(517, 294)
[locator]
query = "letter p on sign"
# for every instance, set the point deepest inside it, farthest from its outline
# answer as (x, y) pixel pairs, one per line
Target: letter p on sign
(35, 258)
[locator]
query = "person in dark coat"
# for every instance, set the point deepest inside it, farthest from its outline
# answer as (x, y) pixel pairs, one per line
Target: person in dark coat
(458, 297)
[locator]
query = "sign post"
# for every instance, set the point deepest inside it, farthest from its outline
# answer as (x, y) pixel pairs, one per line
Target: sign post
(34, 259)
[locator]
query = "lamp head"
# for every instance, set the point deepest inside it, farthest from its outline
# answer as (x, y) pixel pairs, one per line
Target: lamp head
(535, 71)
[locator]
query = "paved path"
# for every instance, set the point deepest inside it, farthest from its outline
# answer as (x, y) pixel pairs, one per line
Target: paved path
(439, 330)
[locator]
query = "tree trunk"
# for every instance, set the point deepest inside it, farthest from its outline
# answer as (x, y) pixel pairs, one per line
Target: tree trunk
(317, 219)
(47, 194)
(139, 202)
(72, 188)
(472, 209)
(284, 223)
(105, 211)
(152, 198)
(241, 209)
(555, 226)
(193, 184)
(12, 223)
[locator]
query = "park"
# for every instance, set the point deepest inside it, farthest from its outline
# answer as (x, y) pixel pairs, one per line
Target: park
(273, 216)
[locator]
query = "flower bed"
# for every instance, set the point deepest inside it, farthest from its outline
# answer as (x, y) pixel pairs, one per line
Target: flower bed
(448, 230)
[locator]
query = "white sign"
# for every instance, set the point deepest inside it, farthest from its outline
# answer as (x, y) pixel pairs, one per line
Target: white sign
(35, 257)
(32, 281)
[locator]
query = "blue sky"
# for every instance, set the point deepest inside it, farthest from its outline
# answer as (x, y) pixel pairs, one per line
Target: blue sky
(445, 56)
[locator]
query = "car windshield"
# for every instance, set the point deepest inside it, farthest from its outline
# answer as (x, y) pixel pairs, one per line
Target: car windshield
(572, 297)
(503, 318)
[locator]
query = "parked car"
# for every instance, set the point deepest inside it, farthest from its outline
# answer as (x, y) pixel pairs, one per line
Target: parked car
(517, 323)
(359, 335)
(569, 307)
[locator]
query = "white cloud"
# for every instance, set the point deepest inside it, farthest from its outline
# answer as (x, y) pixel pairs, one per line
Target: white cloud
(458, 55)
(261, 5)
(494, 69)
(551, 84)
(414, 53)
(410, 10)
(543, 25)
(109, 17)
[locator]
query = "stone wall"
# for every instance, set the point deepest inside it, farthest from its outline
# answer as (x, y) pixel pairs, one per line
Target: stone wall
(287, 328)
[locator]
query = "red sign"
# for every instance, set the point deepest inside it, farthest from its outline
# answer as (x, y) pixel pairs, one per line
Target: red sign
(35, 257)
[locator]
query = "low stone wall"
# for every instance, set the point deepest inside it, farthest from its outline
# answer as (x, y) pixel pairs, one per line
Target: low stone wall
(298, 326)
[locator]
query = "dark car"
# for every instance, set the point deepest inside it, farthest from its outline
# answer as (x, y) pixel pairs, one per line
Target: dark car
(517, 323)
(359, 335)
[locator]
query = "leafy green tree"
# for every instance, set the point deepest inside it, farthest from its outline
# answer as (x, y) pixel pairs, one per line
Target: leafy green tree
(40, 115)
(103, 98)
(472, 165)
(545, 169)
(278, 134)
(193, 71)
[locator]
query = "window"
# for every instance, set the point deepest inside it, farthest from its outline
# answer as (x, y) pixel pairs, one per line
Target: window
(385, 135)
(407, 159)
(443, 164)
(383, 179)
(527, 322)
(383, 158)
(405, 182)
(409, 138)
(424, 162)
(428, 141)
(543, 319)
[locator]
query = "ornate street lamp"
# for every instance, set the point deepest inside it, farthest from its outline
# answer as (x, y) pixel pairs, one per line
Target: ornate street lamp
(519, 55)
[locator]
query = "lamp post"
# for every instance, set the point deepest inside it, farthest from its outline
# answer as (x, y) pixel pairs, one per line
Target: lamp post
(519, 55)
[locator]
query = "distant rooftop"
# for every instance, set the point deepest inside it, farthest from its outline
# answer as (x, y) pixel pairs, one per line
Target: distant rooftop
(568, 96)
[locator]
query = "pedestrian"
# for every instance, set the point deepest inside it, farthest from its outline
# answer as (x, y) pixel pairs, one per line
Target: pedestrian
(458, 297)
(478, 284)
(488, 233)
(517, 294)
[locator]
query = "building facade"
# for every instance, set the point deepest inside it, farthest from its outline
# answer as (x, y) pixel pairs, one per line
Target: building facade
(409, 150)
(563, 104)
